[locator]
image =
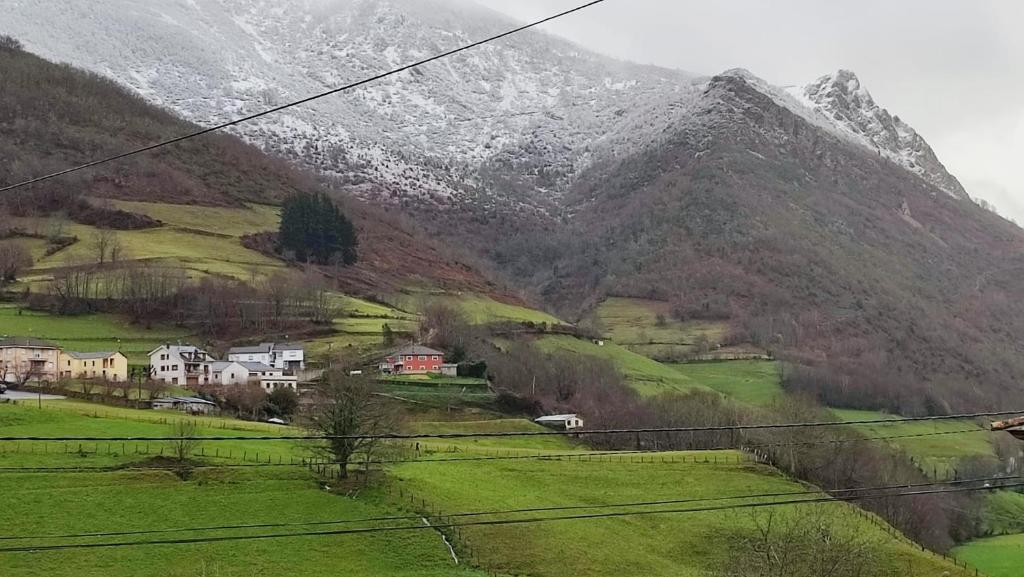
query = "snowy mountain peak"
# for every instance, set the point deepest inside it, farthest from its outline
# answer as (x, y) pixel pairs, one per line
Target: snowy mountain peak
(842, 99)
(519, 118)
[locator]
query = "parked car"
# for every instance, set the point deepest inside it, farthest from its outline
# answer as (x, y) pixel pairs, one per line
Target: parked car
(3, 388)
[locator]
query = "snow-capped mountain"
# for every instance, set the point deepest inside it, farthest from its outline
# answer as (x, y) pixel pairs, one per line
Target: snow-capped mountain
(518, 118)
(842, 99)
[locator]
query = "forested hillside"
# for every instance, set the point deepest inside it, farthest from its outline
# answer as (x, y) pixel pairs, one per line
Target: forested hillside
(884, 291)
(54, 116)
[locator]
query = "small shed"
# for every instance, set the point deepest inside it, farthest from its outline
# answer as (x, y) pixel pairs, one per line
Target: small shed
(450, 370)
(193, 405)
(564, 422)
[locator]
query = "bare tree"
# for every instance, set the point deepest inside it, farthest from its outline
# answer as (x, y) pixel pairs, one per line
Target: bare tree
(322, 310)
(10, 44)
(184, 442)
(115, 251)
(350, 413)
(25, 373)
(14, 260)
(125, 388)
(102, 244)
(248, 400)
(447, 328)
(155, 389)
(89, 386)
(803, 541)
(73, 287)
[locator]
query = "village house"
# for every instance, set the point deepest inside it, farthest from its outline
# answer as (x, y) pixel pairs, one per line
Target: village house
(414, 359)
(289, 357)
(25, 359)
(183, 365)
(227, 373)
(562, 422)
(272, 383)
(106, 366)
(190, 366)
(244, 373)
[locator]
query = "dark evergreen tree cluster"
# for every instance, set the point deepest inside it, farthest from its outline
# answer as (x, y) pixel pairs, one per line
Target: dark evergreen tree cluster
(313, 229)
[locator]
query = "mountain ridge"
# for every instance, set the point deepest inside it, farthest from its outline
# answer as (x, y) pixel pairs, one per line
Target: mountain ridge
(512, 122)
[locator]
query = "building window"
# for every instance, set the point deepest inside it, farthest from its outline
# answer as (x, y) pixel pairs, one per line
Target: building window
(435, 367)
(434, 358)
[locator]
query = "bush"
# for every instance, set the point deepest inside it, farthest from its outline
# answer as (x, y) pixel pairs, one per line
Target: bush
(282, 403)
(474, 369)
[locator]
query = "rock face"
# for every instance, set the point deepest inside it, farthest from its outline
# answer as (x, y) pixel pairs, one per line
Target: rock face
(842, 99)
(510, 124)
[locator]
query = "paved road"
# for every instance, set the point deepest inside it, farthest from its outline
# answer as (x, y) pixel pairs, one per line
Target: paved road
(27, 396)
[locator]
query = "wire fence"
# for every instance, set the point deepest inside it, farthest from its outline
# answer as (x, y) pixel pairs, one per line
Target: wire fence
(899, 536)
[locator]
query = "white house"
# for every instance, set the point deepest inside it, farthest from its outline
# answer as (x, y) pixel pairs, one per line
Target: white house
(259, 371)
(270, 378)
(184, 365)
(289, 357)
(279, 382)
(566, 422)
(228, 373)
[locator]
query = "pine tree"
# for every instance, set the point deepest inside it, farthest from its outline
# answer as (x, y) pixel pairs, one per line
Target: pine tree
(313, 229)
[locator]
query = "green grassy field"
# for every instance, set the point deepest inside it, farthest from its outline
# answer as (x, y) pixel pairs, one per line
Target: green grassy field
(1004, 512)
(751, 382)
(432, 380)
(677, 545)
(52, 503)
(373, 326)
(478, 309)
(87, 333)
(634, 323)
(939, 452)
(200, 240)
(36, 246)
(520, 444)
(1001, 556)
(56, 504)
(351, 306)
(647, 376)
(216, 220)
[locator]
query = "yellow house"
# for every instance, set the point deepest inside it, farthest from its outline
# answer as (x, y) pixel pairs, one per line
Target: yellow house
(105, 366)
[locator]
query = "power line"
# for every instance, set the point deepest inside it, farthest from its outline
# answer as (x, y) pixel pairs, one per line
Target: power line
(576, 433)
(306, 100)
(489, 522)
(551, 456)
(507, 511)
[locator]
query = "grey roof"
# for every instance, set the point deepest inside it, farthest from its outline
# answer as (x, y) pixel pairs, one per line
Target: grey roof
(190, 400)
(87, 356)
(416, 350)
(257, 366)
(264, 348)
(261, 348)
(221, 365)
(180, 349)
(26, 342)
(554, 418)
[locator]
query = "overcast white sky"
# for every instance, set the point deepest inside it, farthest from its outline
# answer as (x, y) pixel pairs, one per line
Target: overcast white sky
(953, 69)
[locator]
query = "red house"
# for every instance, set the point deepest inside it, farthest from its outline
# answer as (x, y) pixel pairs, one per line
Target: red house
(413, 359)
